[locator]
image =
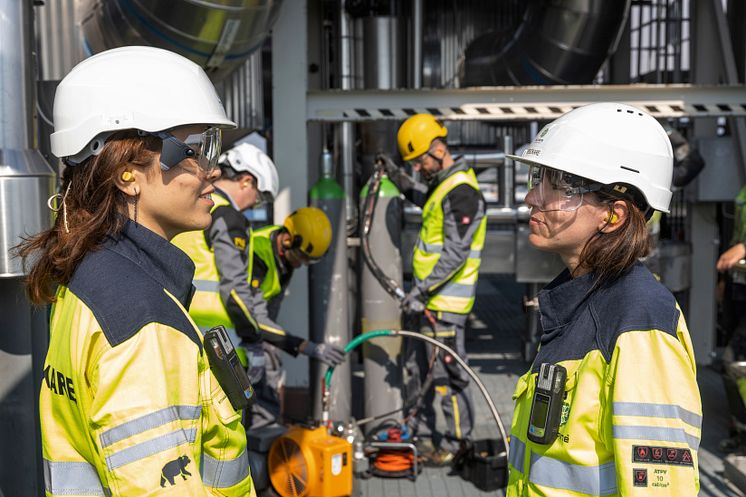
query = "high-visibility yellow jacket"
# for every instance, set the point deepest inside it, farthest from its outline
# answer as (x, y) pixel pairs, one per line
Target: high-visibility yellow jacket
(128, 404)
(631, 414)
(262, 241)
(446, 258)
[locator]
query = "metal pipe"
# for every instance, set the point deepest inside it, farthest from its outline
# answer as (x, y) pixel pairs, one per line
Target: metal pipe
(417, 21)
(16, 91)
(507, 186)
(347, 130)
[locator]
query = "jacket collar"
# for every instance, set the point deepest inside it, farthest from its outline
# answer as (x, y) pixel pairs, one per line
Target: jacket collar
(560, 300)
(157, 257)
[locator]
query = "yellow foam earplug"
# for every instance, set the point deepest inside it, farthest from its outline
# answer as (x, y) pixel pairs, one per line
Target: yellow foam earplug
(128, 176)
(613, 220)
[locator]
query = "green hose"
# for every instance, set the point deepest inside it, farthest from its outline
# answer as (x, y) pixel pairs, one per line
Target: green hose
(352, 345)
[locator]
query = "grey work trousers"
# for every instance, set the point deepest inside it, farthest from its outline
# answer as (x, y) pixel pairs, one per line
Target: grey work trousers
(268, 381)
(449, 381)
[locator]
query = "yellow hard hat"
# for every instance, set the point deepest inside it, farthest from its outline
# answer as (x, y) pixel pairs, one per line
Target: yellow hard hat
(310, 231)
(417, 134)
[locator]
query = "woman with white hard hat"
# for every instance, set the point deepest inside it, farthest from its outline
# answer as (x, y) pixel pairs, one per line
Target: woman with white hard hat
(128, 404)
(610, 405)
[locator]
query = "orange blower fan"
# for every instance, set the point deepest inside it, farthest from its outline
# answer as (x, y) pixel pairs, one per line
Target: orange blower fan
(310, 463)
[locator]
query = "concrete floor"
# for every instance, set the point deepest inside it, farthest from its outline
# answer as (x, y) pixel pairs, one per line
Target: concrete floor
(493, 345)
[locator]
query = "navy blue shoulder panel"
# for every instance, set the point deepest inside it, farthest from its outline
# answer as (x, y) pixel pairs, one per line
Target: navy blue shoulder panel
(635, 302)
(124, 299)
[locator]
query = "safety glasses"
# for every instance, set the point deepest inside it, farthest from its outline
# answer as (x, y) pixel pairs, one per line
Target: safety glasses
(419, 161)
(204, 148)
(554, 190)
(300, 253)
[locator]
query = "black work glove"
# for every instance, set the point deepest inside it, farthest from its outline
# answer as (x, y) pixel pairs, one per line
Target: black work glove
(327, 353)
(413, 302)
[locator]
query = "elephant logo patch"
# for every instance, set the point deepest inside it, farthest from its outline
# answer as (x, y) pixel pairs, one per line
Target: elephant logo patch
(174, 468)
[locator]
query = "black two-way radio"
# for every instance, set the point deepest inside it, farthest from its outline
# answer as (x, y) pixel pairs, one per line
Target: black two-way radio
(227, 368)
(546, 408)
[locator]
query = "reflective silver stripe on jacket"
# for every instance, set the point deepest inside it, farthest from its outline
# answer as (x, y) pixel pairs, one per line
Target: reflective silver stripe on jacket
(656, 433)
(206, 286)
(72, 478)
(224, 474)
(150, 447)
(517, 453)
(148, 422)
(431, 248)
(456, 290)
(436, 248)
(672, 411)
(592, 480)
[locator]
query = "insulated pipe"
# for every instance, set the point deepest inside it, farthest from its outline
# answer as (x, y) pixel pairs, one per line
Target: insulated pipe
(329, 290)
(558, 42)
(216, 34)
(26, 181)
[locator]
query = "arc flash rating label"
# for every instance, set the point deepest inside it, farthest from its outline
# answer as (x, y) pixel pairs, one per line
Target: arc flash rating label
(662, 455)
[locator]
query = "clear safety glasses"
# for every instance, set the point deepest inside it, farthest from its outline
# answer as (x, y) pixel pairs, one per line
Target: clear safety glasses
(204, 148)
(554, 190)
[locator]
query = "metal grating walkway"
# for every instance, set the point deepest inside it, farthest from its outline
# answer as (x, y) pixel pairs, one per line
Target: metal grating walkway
(493, 344)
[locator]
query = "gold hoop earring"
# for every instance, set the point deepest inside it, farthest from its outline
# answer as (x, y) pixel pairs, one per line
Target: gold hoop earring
(55, 207)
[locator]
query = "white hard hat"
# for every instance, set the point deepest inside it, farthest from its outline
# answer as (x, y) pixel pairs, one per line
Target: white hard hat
(248, 158)
(144, 88)
(614, 144)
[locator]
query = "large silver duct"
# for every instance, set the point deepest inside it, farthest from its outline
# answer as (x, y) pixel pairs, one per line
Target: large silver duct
(26, 181)
(216, 34)
(25, 184)
(558, 42)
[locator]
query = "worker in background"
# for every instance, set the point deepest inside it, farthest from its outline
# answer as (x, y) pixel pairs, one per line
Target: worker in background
(222, 256)
(445, 264)
(734, 323)
(625, 417)
(303, 239)
(128, 405)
